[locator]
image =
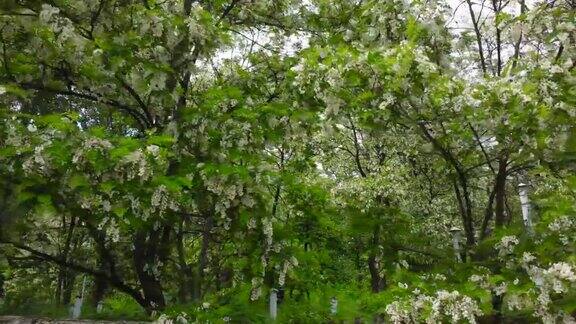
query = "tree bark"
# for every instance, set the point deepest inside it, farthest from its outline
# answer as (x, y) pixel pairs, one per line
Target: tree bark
(68, 286)
(500, 190)
(377, 281)
(463, 198)
(62, 298)
(488, 214)
(185, 275)
(203, 257)
(114, 280)
(99, 291)
(144, 261)
(461, 187)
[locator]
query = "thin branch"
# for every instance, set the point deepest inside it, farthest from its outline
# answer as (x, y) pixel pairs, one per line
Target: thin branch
(114, 281)
(134, 94)
(477, 137)
(138, 117)
(357, 149)
(478, 36)
(227, 11)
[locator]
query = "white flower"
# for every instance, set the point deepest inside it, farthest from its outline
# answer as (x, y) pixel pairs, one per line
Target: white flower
(160, 199)
(476, 278)
(256, 288)
(527, 257)
(501, 289)
(106, 205)
(47, 12)
(387, 100)
(432, 309)
(137, 159)
(561, 270)
(252, 223)
(561, 223)
(153, 149)
(397, 313)
(157, 26)
(96, 143)
(31, 128)
(404, 264)
(506, 245)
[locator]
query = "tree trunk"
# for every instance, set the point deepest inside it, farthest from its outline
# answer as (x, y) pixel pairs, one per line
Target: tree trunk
(203, 258)
(185, 275)
(68, 286)
(488, 214)
(377, 281)
(500, 189)
(225, 275)
(144, 261)
(464, 204)
(100, 287)
(63, 272)
(497, 302)
(460, 185)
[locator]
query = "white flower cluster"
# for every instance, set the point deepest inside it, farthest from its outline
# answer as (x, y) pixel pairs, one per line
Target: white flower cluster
(137, 166)
(559, 278)
(13, 138)
(481, 281)
(500, 289)
(387, 100)
(445, 305)
(97, 144)
(47, 12)
(564, 226)
(64, 30)
(229, 190)
(506, 245)
(195, 27)
(154, 150)
(256, 291)
(153, 268)
(137, 208)
(527, 257)
(38, 162)
(90, 201)
(268, 231)
(111, 228)
(152, 24)
(518, 301)
(288, 264)
(433, 276)
(161, 200)
(334, 79)
(561, 271)
(424, 65)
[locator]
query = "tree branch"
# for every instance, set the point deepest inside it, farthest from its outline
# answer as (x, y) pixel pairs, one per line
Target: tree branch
(138, 117)
(114, 281)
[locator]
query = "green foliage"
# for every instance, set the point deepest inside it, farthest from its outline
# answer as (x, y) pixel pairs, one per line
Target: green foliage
(187, 157)
(116, 307)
